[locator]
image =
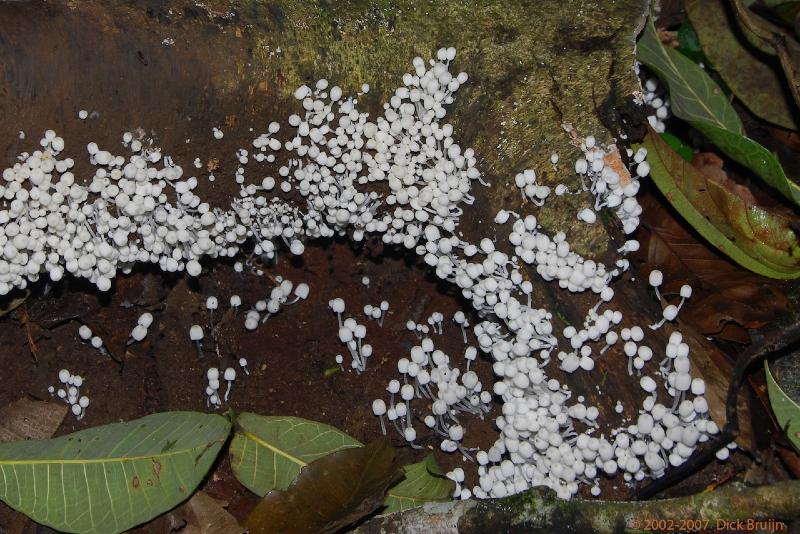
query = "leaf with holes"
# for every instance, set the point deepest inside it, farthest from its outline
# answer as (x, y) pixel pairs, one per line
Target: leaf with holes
(114, 477)
(751, 236)
(267, 452)
(422, 482)
(787, 411)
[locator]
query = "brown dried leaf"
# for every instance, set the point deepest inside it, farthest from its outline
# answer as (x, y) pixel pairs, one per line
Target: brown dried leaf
(329, 493)
(203, 514)
(30, 419)
(613, 160)
(716, 369)
(727, 299)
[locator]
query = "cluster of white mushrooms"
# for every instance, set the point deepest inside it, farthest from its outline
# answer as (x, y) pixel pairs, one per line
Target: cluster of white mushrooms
(658, 101)
(71, 392)
(142, 207)
(352, 335)
(139, 331)
(263, 309)
(443, 390)
(86, 335)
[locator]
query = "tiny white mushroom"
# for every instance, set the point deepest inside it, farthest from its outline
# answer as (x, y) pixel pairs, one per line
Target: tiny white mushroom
(229, 376)
(379, 409)
(196, 336)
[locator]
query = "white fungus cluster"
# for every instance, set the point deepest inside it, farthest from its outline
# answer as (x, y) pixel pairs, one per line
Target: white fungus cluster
(352, 335)
(442, 388)
(536, 193)
(377, 312)
(436, 322)
(612, 189)
(142, 208)
(657, 100)
(419, 329)
(71, 392)
(212, 389)
(263, 309)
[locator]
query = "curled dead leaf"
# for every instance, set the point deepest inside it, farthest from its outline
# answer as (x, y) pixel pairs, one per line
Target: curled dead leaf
(613, 160)
(329, 493)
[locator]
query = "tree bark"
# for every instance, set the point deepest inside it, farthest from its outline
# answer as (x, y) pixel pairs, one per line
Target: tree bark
(541, 511)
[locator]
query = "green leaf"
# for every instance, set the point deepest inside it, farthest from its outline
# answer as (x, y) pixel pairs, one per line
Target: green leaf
(330, 493)
(114, 477)
(693, 94)
(423, 482)
(689, 43)
(267, 452)
(698, 100)
(753, 156)
(752, 237)
(683, 150)
(756, 83)
(787, 411)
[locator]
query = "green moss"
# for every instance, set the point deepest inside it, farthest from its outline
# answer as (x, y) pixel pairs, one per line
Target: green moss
(533, 66)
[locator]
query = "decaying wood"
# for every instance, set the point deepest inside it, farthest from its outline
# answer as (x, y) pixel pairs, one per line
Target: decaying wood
(538, 511)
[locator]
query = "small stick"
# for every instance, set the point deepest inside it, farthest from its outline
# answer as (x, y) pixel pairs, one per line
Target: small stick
(26, 321)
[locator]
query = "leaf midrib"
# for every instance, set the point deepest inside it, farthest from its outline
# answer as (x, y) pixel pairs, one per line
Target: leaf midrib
(276, 450)
(676, 72)
(99, 460)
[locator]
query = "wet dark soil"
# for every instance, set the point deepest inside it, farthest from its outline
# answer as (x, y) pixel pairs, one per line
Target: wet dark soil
(288, 356)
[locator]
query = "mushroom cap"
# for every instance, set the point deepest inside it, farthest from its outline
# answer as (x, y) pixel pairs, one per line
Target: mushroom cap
(145, 319)
(196, 332)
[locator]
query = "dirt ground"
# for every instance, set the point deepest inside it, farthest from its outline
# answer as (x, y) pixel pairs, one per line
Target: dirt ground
(287, 356)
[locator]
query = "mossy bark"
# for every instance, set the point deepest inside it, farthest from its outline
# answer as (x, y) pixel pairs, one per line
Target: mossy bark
(770, 508)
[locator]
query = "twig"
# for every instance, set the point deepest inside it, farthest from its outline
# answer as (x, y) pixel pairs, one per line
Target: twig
(25, 319)
(777, 340)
